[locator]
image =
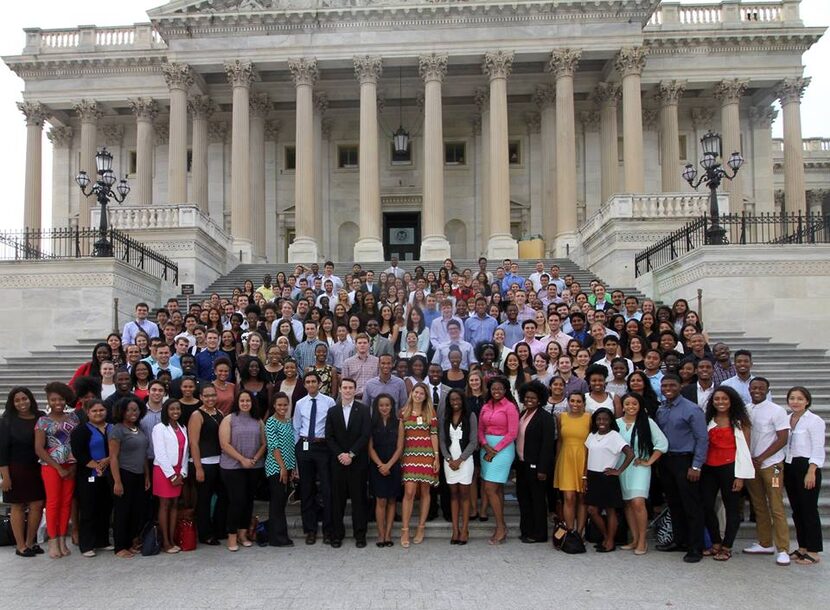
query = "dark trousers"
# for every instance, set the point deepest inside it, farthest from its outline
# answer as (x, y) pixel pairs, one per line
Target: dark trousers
(211, 525)
(128, 510)
(314, 466)
(532, 496)
(277, 523)
(348, 482)
(714, 479)
(440, 496)
(683, 499)
(240, 485)
(804, 504)
(94, 510)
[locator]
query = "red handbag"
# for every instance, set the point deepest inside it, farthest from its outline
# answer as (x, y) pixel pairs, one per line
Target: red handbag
(185, 535)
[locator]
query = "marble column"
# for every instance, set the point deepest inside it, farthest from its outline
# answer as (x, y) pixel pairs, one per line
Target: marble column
(482, 101)
(304, 248)
(145, 110)
(260, 105)
(89, 113)
(497, 66)
(201, 109)
(35, 113)
(321, 107)
(62, 180)
(434, 244)
(729, 93)
(369, 247)
(815, 199)
(241, 74)
(562, 65)
(179, 78)
(668, 94)
(761, 167)
(789, 91)
(545, 98)
(607, 96)
(630, 63)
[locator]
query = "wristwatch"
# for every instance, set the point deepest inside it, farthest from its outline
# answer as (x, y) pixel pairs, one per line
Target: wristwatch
(696, 468)
(351, 454)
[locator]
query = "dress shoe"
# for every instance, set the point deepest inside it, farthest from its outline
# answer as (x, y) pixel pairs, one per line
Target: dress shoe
(210, 542)
(692, 557)
(25, 553)
(527, 539)
(671, 547)
(310, 538)
(36, 548)
(336, 544)
(360, 543)
(326, 539)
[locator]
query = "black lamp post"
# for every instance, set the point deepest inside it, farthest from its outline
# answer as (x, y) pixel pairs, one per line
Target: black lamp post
(400, 139)
(103, 191)
(714, 174)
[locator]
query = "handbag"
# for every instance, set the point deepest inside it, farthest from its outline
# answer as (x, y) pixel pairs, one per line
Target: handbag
(185, 535)
(560, 530)
(662, 525)
(150, 539)
(572, 543)
(261, 533)
(6, 533)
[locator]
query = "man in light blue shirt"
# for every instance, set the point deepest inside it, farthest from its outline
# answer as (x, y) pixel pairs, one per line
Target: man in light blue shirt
(141, 323)
(438, 332)
(512, 277)
(454, 342)
(512, 328)
(651, 362)
(304, 352)
(480, 327)
(740, 382)
(163, 363)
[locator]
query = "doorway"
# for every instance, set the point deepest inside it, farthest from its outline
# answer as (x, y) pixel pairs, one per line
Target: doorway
(402, 235)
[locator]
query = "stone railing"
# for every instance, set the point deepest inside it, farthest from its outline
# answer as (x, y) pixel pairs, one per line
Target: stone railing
(673, 14)
(810, 145)
(143, 218)
(92, 38)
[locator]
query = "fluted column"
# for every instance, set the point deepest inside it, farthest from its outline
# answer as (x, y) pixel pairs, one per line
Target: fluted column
(201, 109)
(630, 63)
(369, 247)
(562, 65)
(321, 107)
(35, 113)
(789, 92)
(497, 66)
(482, 101)
(761, 167)
(241, 74)
(304, 249)
(607, 96)
(434, 244)
(729, 93)
(61, 139)
(89, 113)
(145, 110)
(669, 93)
(545, 98)
(179, 77)
(260, 105)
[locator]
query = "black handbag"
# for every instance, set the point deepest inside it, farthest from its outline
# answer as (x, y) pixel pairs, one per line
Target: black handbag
(150, 539)
(6, 534)
(572, 543)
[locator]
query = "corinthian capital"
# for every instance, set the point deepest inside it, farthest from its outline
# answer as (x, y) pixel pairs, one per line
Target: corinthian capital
(730, 91)
(113, 134)
(260, 104)
(241, 72)
(35, 112)
(763, 116)
(60, 136)
(144, 108)
(304, 71)
(631, 60)
(88, 110)
(533, 121)
(481, 96)
(563, 62)
(367, 68)
(432, 67)
(321, 102)
(217, 131)
(670, 91)
(702, 118)
(544, 95)
(497, 64)
(177, 76)
(606, 93)
(201, 106)
(791, 89)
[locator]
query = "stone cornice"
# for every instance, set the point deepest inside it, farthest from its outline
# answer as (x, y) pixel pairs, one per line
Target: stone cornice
(101, 65)
(697, 42)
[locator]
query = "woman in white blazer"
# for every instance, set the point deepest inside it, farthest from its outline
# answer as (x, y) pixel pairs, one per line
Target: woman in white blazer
(169, 469)
(728, 464)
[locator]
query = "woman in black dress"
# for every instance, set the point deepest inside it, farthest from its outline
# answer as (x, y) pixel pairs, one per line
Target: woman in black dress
(385, 449)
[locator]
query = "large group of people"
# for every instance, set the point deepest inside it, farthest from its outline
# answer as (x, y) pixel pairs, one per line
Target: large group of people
(430, 387)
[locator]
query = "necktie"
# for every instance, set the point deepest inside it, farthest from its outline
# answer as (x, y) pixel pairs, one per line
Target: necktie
(435, 397)
(312, 420)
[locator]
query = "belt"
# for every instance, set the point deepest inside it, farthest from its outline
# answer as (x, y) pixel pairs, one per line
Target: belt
(316, 441)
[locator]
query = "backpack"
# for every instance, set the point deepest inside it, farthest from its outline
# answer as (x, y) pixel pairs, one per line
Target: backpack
(662, 526)
(261, 533)
(150, 539)
(572, 543)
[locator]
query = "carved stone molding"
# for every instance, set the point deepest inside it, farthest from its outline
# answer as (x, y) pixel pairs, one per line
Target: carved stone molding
(650, 116)
(533, 120)
(35, 112)
(241, 72)
(217, 131)
(162, 130)
(589, 119)
(60, 136)
(201, 106)
(380, 100)
(669, 92)
(326, 127)
(606, 93)
(144, 108)
(476, 124)
(432, 67)
(177, 76)
(544, 95)
(260, 104)
(113, 134)
(497, 64)
(790, 90)
(631, 60)
(367, 68)
(481, 96)
(321, 102)
(730, 91)
(88, 110)
(702, 118)
(563, 62)
(304, 71)
(763, 116)
(272, 130)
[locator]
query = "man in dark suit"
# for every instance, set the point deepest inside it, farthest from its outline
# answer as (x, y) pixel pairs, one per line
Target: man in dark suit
(700, 390)
(371, 286)
(348, 427)
(378, 345)
(438, 393)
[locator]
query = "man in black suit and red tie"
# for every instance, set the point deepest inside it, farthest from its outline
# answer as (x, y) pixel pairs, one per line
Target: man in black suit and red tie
(348, 427)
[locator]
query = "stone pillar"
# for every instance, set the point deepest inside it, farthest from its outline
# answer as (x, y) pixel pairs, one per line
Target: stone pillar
(304, 249)
(789, 91)
(607, 96)
(179, 77)
(562, 65)
(434, 244)
(761, 168)
(321, 107)
(815, 199)
(273, 250)
(201, 109)
(89, 113)
(145, 110)
(369, 247)
(260, 105)
(62, 181)
(497, 66)
(240, 74)
(630, 63)
(729, 93)
(482, 101)
(668, 94)
(35, 113)
(219, 200)
(545, 97)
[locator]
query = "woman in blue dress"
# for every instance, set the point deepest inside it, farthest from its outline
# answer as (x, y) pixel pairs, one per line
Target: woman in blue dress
(648, 442)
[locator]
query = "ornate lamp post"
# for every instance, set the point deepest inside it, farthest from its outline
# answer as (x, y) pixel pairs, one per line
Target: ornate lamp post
(714, 174)
(103, 191)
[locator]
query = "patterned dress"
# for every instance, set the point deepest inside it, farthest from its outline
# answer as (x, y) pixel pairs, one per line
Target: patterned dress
(418, 453)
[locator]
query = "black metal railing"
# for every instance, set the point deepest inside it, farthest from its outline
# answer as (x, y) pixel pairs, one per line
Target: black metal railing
(740, 229)
(65, 243)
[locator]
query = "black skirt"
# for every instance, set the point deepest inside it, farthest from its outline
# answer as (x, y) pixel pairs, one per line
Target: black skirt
(604, 491)
(27, 484)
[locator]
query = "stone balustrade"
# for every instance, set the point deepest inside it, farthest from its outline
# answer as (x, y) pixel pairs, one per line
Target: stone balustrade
(672, 15)
(92, 38)
(142, 218)
(810, 145)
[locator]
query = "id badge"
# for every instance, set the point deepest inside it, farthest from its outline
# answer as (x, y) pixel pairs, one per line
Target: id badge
(305, 445)
(420, 421)
(91, 479)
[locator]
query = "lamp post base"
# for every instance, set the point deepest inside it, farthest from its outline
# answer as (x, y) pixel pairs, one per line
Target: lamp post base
(103, 248)
(715, 235)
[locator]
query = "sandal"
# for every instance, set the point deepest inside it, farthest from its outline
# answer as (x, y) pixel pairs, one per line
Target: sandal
(712, 551)
(796, 554)
(807, 560)
(405, 537)
(419, 535)
(723, 555)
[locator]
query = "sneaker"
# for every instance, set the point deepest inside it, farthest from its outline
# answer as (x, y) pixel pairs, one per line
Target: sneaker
(89, 554)
(757, 549)
(783, 559)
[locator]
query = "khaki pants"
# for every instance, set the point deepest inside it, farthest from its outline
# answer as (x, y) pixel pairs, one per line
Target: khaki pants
(768, 503)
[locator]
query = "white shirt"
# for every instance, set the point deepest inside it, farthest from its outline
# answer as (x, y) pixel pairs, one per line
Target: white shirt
(703, 395)
(347, 412)
(191, 339)
(767, 418)
(607, 364)
(742, 388)
(807, 439)
(536, 278)
(604, 450)
(396, 271)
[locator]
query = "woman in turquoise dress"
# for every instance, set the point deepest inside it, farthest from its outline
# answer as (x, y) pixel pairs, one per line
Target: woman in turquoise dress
(648, 442)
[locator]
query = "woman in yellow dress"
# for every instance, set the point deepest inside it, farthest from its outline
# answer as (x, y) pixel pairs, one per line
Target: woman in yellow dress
(569, 477)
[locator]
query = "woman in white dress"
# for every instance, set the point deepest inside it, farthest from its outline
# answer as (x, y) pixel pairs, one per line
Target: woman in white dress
(599, 397)
(458, 437)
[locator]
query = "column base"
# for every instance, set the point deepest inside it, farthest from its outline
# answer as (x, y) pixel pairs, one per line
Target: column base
(565, 244)
(303, 250)
(435, 248)
(244, 249)
(368, 250)
(501, 246)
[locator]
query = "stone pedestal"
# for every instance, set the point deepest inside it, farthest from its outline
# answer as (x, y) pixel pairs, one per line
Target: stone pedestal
(304, 250)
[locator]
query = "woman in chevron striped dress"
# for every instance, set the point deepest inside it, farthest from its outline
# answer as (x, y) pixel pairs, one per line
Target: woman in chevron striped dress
(420, 461)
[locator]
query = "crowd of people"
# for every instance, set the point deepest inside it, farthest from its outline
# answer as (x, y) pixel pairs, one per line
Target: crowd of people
(435, 388)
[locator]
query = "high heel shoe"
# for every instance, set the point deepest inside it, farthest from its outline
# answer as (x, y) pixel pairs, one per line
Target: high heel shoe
(419, 535)
(405, 537)
(495, 541)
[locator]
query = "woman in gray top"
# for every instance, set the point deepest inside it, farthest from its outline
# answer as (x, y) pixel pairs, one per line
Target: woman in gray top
(130, 474)
(458, 438)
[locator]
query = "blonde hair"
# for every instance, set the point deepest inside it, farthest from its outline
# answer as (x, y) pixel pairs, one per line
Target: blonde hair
(261, 352)
(427, 409)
